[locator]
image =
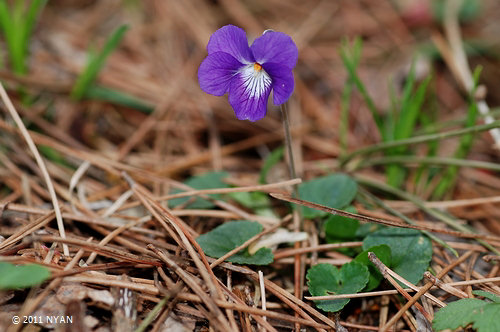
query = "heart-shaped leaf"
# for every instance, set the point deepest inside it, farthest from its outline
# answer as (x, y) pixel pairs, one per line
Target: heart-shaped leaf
(23, 276)
(257, 201)
(365, 229)
(210, 180)
(326, 279)
(335, 191)
(488, 295)
(483, 316)
(341, 228)
(383, 252)
(411, 251)
(230, 235)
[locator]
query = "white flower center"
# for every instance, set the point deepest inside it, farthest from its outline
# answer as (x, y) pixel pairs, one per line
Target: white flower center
(256, 80)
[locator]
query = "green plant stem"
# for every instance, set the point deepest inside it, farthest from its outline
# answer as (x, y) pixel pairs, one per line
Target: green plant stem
(428, 160)
(448, 220)
(419, 139)
(406, 219)
(152, 314)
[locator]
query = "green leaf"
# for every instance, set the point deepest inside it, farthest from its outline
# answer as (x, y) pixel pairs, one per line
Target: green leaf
(326, 279)
(365, 229)
(230, 235)
(257, 201)
(211, 180)
(411, 250)
(383, 252)
(335, 191)
(487, 295)
(23, 276)
(481, 314)
(341, 228)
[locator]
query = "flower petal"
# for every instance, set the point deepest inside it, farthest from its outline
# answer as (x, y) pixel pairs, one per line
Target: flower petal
(283, 83)
(275, 47)
(248, 93)
(216, 71)
(233, 40)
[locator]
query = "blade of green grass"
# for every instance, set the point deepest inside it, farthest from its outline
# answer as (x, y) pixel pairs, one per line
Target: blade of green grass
(95, 63)
(409, 84)
(348, 55)
(17, 23)
(17, 56)
(116, 97)
(406, 123)
(465, 144)
(391, 118)
(396, 174)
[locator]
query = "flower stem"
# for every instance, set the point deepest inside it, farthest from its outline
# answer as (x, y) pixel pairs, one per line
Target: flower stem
(288, 143)
(299, 267)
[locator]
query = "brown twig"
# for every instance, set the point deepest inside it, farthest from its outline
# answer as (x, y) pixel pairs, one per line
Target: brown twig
(216, 316)
(381, 221)
(388, 274)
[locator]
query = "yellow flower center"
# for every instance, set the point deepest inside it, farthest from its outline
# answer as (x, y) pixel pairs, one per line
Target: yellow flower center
(257, 67)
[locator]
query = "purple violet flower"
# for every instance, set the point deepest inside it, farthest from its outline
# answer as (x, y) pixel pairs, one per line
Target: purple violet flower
(249, 73)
